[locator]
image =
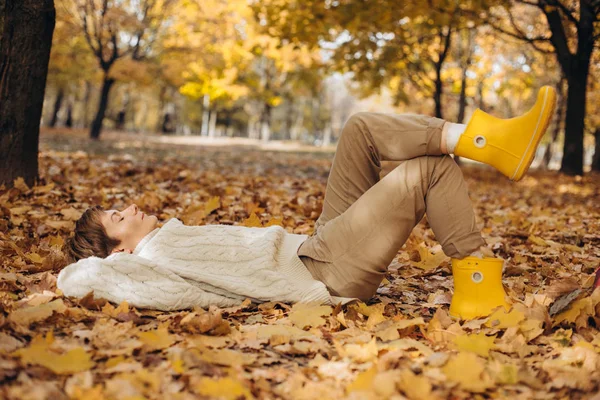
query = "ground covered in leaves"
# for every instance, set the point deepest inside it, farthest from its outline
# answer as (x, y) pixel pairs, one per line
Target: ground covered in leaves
(401, 344)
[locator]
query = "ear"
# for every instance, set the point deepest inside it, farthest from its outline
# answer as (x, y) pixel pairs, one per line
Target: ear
(116, 250)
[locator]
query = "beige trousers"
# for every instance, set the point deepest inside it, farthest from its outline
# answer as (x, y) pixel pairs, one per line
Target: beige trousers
(366, 220)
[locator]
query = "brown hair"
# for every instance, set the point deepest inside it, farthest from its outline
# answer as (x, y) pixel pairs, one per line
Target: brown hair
(90, 238)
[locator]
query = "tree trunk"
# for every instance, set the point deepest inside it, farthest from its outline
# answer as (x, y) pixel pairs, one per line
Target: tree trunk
(97, 124)
(437, 95)
(481, 102)
(25, 44)
(468, 60)
(265, 123)
(212, 123)
(205, 115)
(572, 161)
(57, 105)
(596, 158)
(560, 114)
(446, 40)
(576, 67)
(69, 120)
(327, 135)
(289, 118)
(86, 105)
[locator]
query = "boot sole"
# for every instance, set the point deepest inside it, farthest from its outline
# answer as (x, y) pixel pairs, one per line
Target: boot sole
(535, 139)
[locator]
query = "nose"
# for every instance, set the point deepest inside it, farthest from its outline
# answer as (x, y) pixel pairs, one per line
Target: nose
(135, 208)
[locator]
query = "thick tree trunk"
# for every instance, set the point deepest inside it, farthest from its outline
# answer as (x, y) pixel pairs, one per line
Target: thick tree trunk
(57, 104)
(572, 161)
(97, 124)
(596, 158)
(576, 67)
(25, 44)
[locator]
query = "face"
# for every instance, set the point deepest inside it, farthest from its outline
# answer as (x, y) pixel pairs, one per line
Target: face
(129, 226)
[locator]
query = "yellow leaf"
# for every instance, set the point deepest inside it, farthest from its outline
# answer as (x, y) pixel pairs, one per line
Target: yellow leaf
(109, 309)
(467, 370)
(358, 352)
(477, 343)
(67, 225)
(43, 189)
(275, 221)
(267, 331)
(537, 240)
(39, 353)
(111, 362)
(158, 339)
(500, 319)
(20, 184)
(376, 316)
(212, 204)
(252, 221)
(391, 332)
(584, 305)
(223, 388)
(531, 328)
(231, 358)
(363, 381)
(177, 365)
(366, 310)
(416, 387)
(429, 260)
(36, 258)
(308, 314)
(27, 315)
(19, 210)
(573, 248)
(57, 241)
(507, 374)
(71, 213)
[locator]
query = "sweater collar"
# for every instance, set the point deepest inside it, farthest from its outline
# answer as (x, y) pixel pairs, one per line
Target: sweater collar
(145, 241)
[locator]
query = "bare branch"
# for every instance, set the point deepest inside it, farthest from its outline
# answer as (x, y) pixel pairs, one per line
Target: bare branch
(531, 41)
(557, 3)
(86, 31)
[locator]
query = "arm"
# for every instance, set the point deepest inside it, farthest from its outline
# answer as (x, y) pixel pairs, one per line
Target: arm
(139, 281)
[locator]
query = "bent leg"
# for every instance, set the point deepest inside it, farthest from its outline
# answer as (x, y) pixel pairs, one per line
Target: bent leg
(356, 247)
(366, 140)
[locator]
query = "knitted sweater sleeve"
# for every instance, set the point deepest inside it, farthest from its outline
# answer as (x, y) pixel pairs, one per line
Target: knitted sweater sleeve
(138, 280)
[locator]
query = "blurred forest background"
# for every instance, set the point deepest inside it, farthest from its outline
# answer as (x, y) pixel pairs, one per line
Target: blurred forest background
(297, 69)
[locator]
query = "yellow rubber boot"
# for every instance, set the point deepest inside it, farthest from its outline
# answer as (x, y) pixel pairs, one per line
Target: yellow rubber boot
(509, 145)
(477, 287)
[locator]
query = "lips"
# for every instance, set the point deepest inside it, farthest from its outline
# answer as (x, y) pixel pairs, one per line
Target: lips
(142, 215)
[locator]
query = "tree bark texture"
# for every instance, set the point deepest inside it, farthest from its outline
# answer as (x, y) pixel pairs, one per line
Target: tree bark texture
(25, 45)
(560, 115)
(576, 67)
(57, 104)
(102, 105)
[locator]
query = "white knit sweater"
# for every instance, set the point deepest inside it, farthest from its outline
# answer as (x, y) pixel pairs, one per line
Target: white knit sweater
(177, 267)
